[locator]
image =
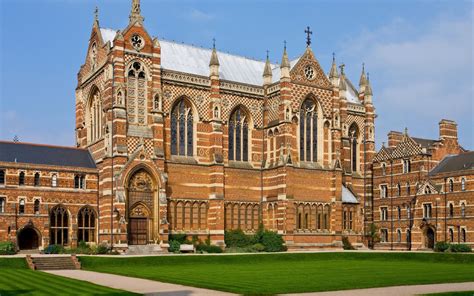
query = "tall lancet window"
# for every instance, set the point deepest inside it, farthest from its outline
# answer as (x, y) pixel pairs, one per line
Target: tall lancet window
(94, 116)
(353, 137)
(308, 131)
(136, 94)
(238, 136)
(182, 129)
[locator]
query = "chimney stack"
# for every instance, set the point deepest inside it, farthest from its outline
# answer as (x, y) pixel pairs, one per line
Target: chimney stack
(394, 138)
(448, 129)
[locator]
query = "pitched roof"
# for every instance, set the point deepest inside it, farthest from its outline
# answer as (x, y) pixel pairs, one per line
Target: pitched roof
(348, 196)
(425, 143)
(45, 155)
(453, 163)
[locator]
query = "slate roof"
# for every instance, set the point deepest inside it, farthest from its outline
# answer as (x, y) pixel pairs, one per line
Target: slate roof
(425, 143)
(45, 155)
(348, 196)
(192, 59)
(453, 163)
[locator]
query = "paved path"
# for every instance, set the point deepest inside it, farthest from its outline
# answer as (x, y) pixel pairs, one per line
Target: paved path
(149, 287)
(135, 285)
(398, 290)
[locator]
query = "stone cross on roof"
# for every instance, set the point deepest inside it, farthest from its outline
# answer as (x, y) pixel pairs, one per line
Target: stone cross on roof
(308, 36)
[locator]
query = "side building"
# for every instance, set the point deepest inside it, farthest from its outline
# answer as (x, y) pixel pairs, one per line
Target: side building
(48, 195)
(423, 191)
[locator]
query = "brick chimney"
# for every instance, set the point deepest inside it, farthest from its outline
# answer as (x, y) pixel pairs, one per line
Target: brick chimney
(448, 129)
(394, 138)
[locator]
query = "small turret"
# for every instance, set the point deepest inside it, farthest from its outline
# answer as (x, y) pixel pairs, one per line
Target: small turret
(214, 62)
(267, 72)
(285, 64)
(342, 80)
(368, 92)
(362, 80)
(333, 74)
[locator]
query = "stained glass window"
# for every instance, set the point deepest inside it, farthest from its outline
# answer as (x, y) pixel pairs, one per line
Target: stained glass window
(308, 131)
(182, 129)
(238, 136)
(136, 94)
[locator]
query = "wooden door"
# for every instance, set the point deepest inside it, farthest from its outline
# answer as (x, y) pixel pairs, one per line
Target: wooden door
(138, 231)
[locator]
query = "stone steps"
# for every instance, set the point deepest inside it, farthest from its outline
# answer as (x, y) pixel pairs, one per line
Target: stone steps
(53, 262)
(145, 250)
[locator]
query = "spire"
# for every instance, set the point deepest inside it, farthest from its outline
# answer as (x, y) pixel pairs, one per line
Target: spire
(214, 59)
(96, 14)
(333, 73)
(362, 80)
(135, 12)
(342, 80)
(267, 72)
(214, 62)
(368, 88)
(285, 64)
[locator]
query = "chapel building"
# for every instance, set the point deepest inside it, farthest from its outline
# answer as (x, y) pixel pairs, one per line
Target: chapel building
(178, 139)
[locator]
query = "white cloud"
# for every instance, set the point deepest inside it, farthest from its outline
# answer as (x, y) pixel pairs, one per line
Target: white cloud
(420, 74)
(199, 16)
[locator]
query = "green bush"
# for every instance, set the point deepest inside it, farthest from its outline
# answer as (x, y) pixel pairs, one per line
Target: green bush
(460, 248)
(346, 244)
(208, 249)
(258, 247)
(441, 246)
(102, 249)
(179, 237)
(272, 241)
(7, 248)
(55, 249)
(174, 246)
(237, 238)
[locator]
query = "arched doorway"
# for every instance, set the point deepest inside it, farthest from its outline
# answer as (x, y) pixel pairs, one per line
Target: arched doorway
(429, 238)
(140, 205)
(28, 239)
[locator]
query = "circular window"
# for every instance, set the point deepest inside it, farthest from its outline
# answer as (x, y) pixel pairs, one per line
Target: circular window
(137, 42)
(309, 72)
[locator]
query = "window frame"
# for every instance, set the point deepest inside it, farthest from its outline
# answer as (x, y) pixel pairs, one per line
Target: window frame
(3, 177)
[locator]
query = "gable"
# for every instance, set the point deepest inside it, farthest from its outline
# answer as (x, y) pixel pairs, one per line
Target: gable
(407, 147)
(308, 71)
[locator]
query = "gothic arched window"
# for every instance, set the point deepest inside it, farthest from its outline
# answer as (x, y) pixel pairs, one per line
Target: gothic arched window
(136, 94)
(308, 131)
(451, 185)
(59, 226)
(182, 129)
(353, 136)
(86, 225)
(36, 206)
(37, 179)
(94, 116)
(238, 136)
(21, 178)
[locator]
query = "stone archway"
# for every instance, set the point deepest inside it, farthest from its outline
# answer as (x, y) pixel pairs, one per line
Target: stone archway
(141, 202)
(28, 239)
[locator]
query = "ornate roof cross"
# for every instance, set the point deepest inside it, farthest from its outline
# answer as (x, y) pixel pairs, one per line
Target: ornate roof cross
(308, 36)
(267, 53)
(214, 43)
(284, 42)
(96, 13)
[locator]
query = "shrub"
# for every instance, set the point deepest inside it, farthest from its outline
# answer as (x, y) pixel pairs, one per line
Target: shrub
(272, 241)
(54, 249)
(208, 249)
(460, 248)
(258, 247)
(179, 237)
(441, 246)
(346, 244)
(237, 238)
(102, 249)
(7, 248)
(174, 246)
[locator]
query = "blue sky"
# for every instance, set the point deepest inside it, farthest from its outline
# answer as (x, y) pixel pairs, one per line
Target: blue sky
(419, 53)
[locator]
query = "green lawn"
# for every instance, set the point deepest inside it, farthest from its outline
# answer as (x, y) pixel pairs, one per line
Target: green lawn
(17, 279)
(466, 293)
(293, 273)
